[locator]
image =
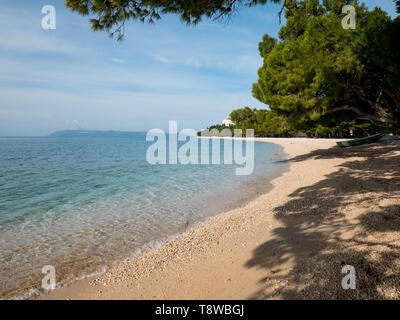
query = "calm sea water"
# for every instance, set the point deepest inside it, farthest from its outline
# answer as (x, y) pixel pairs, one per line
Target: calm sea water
(83, 204)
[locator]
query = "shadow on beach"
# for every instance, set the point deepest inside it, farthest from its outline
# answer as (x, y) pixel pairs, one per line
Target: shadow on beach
(351, 217)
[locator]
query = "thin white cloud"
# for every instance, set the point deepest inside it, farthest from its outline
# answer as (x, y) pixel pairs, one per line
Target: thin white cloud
(162, 59)
(193, 62)
(90, 77)
(117, 60)
(240, 63)
(190, 61)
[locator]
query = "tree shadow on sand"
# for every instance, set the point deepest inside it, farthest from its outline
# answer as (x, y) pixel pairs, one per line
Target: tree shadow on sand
(352, 217)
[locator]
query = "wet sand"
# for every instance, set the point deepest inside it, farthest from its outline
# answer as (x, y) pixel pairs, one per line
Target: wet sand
(334, 207)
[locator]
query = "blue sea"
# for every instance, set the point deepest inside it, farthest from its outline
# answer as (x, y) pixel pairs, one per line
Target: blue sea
(84, 204)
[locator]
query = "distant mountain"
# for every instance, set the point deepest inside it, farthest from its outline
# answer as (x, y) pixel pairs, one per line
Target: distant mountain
(93, 133)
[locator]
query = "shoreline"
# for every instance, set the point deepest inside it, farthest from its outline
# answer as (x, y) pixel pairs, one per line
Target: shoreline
(252, 252)
(157, 244)
(68, 291)
(215, 204)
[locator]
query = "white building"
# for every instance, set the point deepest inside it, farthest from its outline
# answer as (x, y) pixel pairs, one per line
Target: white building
(228, 123)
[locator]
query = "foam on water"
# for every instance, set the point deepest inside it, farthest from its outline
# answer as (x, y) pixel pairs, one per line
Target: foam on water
(83, 204)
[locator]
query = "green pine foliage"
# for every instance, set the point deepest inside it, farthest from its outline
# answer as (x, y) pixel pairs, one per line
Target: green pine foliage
(111, 15)
(324, 78)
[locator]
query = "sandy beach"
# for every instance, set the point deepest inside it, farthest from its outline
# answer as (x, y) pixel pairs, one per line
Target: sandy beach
(333, 207)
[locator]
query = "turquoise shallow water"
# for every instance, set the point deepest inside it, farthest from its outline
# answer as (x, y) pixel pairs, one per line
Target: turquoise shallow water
(81, 204)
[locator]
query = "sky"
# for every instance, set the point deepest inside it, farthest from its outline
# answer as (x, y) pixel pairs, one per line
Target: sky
(72, 78)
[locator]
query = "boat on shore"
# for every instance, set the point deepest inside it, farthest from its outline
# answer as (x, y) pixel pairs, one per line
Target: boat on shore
(358, 142)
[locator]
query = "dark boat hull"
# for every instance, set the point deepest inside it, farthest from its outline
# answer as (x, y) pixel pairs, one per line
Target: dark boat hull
(358, 142)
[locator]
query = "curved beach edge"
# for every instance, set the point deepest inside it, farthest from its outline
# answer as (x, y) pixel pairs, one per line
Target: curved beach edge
(252, 252)
(215, 250)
